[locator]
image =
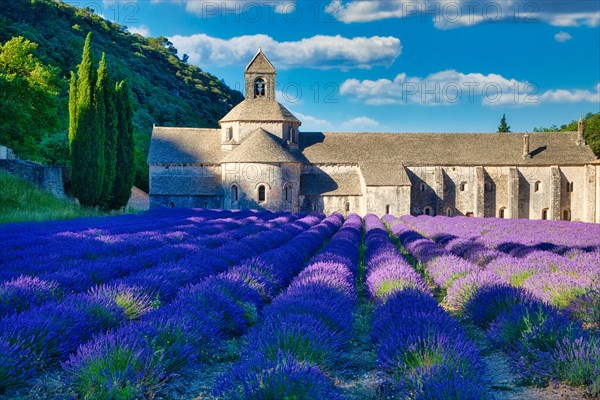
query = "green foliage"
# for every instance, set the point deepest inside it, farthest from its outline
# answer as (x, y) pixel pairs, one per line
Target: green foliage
(503, 126)
(86, 139)
(22, 201)
(28, 94)
(165, 90)
(125, 167)
(107, 114)
(591, 126)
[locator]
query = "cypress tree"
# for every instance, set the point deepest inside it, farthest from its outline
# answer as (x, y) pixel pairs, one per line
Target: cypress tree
(503, 126)
(87, 148)
(125, 151)
(72, 110)
(107, 126)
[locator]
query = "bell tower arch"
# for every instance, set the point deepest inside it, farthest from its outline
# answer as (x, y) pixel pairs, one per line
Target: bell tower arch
(260, 78)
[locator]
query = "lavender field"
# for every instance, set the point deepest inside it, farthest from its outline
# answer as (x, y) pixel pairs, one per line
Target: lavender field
(210, 304)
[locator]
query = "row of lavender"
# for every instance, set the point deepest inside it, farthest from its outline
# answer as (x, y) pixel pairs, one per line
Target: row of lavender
(32, 278)
(542, 340)
(138, 359)
(38, 339)
(516, 236)
(297, 347)
(423, 349)
(570, 280)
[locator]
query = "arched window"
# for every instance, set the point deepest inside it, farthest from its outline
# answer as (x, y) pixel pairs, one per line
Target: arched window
(262, 194)
(501, 212)
(545, 213)
(234, 193)
(469, 214)
(292, 136)
(537, 186)
(427, 210)
(489, 187)
(387, 209)
(205, 204)
(259, 87)
(463, 186)
(347, 206)
(229, 135)
(171, 204)
(566, 215)
(287, 192)
(315, 207)
(448, 212)
(422, 187)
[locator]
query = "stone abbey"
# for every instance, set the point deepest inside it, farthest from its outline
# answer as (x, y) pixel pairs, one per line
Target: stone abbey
(259, 158)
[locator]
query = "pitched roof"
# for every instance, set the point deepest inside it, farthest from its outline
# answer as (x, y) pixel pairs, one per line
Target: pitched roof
(260, 146)
(185, 146)
(410, 149)
(330, 185)
(259, 110)
(384, 174)
(260, 64)
(185, 185)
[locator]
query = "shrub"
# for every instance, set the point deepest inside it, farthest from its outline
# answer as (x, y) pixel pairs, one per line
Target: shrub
(115, 366)
(283, 377)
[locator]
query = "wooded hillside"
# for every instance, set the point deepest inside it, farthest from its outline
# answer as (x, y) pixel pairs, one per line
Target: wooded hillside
(167, 91)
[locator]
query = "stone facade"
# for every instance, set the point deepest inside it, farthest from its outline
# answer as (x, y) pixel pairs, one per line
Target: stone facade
(260, 159)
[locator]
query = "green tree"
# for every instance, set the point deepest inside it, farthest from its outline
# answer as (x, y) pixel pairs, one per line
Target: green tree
(86, 141)
(107, 124)
(28, 94)
(503, 126)
(591, 126)
(125, 169)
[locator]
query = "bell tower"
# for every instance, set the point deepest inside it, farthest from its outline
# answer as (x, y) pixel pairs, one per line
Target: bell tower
(260, 78)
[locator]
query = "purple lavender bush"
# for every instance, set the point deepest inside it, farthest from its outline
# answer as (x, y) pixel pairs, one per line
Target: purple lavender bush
(282, 377)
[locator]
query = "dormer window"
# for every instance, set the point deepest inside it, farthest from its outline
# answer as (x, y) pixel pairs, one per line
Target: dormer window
(259, 87)
(291, 137)
(229, 134)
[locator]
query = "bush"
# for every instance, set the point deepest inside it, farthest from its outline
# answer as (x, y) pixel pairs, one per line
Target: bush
(280, 378)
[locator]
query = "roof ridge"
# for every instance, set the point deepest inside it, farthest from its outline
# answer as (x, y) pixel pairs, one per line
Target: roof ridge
(260, 146)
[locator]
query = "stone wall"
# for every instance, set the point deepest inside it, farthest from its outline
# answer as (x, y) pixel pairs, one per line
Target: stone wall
(46, 177)
(172, 201)
(249, 177)
(394, 200)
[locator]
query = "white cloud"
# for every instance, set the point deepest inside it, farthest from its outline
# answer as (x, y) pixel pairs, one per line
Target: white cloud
(458, 13)
(318, 52)
(591, 19)
(571, 96)
(313, 124)
(359, 124)
(140, 30)
(451, 87)
(562, 37)
(441, 88)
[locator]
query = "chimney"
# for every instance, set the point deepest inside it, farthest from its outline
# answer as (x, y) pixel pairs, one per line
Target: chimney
(526, 153)
(580, 137)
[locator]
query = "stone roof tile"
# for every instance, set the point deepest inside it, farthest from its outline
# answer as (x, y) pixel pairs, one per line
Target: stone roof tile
(384, 174)
(185, 146)
(261, 146)
(411, 149)
(259, 110)
(330, 185)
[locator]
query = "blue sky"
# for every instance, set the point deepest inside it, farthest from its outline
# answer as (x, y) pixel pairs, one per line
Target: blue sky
(397, 65)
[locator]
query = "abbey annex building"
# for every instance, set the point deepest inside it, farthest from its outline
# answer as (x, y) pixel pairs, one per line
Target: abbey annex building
(260, 159)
